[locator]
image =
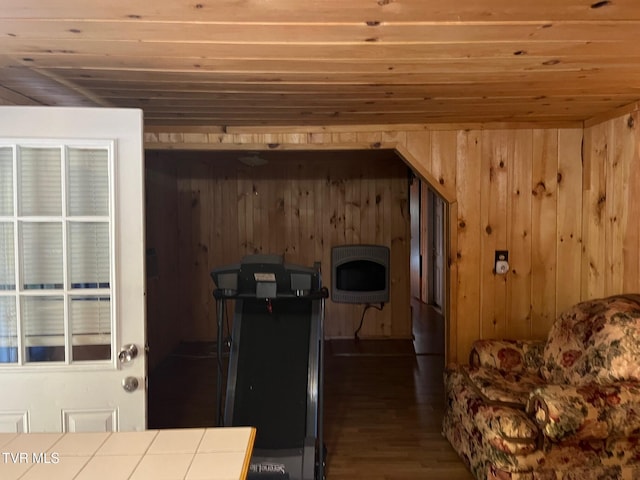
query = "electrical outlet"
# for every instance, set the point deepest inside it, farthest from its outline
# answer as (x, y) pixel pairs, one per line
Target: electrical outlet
(501, 255)
(501, 262)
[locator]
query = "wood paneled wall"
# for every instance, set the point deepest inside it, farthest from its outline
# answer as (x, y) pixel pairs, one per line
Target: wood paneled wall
(572, 231)
(163, 315)
(299, 205)
(611, 207)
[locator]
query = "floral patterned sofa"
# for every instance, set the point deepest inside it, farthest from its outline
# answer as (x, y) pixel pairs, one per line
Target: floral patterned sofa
(567, 408)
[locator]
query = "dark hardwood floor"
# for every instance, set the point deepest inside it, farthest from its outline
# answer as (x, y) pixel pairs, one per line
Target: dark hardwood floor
(384, 402)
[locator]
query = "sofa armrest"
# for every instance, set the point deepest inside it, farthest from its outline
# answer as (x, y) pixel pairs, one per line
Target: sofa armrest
(517, 356)
(586, 412)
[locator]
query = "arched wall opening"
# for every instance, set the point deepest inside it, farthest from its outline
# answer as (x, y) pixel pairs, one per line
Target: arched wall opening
(192, 199)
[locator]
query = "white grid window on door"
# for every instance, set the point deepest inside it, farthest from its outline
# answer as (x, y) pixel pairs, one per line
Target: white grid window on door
(55, 254)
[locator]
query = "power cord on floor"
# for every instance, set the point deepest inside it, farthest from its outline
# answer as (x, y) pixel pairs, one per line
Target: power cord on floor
(367, 307)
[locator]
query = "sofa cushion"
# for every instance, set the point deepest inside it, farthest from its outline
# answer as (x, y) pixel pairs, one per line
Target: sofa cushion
(503, 388)
(482, 432)
(595, 341)
(517, 356)
(506, 429)
(587, 412)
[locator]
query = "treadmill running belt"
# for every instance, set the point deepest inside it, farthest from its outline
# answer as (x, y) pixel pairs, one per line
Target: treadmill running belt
(271, 384)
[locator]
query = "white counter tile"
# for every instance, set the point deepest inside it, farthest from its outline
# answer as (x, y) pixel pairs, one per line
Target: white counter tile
(113, 467)
(216, 466)
(12, 471)
(224, 439)
(66, 469)
(127, 443)
(177, 441)
(168, 466)
(32, 443)
(81, 444)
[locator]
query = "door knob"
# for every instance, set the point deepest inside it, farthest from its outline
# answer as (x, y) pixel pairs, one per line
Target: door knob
(128, 353)
(130, 384)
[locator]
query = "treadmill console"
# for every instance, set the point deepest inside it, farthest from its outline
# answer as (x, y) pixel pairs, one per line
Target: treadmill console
(265, 276)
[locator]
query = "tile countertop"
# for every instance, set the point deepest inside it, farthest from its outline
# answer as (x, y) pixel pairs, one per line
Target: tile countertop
(181, 454)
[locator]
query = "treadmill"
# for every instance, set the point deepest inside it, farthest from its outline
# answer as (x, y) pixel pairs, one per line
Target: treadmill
(275, 374)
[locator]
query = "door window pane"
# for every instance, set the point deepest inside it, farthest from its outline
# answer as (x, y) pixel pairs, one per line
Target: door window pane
(7, 257)
(8, 330)
(42, 256)
(91, 328)
(88, 182)
(55, 225)
(89, 255)
(43, 322)
(6, 181)
(40, 188)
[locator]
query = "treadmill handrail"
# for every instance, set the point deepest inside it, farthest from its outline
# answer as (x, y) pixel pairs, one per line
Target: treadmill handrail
(220, 293)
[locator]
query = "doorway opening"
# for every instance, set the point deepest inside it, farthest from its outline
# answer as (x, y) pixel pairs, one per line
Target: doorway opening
(428, 273)
(210, 208)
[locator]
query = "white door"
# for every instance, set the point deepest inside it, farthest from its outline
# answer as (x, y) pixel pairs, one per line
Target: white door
(72, 286)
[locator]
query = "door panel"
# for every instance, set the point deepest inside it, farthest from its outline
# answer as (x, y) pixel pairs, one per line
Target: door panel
(14, 422)
(72, 284)
(90, 420)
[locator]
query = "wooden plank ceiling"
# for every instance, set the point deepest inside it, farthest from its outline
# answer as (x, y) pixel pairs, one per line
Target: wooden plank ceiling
(324, 62)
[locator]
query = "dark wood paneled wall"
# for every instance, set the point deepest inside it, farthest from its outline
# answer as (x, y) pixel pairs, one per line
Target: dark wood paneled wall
(163, 315)
(299, 204)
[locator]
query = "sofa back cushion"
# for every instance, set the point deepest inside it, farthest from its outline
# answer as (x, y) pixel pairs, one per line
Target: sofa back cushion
(595, 341)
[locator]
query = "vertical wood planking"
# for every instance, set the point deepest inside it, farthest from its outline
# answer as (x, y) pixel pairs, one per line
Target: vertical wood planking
(419, 144)
(631, 244)
(496, 156)
(518, 323)
(334, 199)
(610, 225)
(614, 186)
(443, 154)
(352, 207)
(451, 334)
(569, 220)
(307, 233)
(260, 213)
(594, 199)
(185, 242)
(219, 233)
(468, 255)
(274, 202)
(200, 211)
(617, 185)
(384, 202)
(245, 210)
(544, 231)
